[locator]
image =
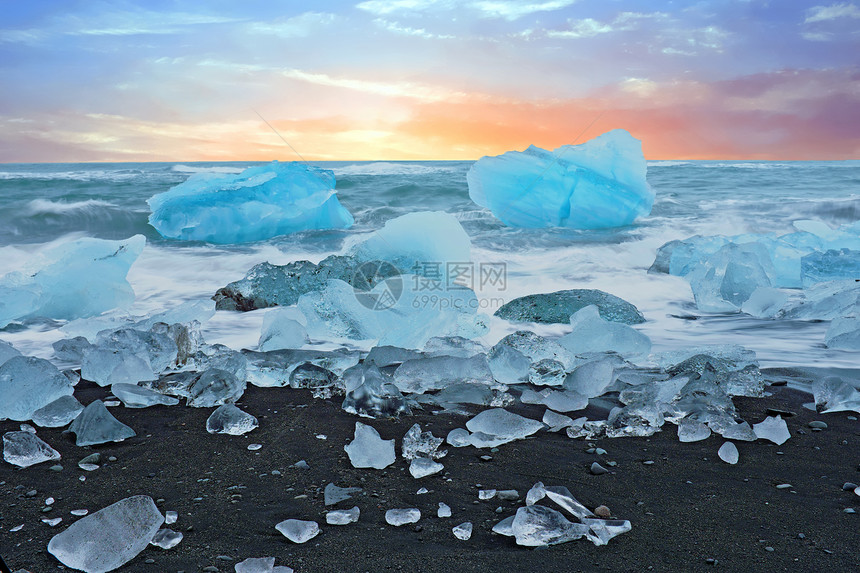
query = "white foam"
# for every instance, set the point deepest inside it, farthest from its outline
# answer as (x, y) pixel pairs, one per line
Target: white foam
(180, 168)
(39, 206)
(388, 168)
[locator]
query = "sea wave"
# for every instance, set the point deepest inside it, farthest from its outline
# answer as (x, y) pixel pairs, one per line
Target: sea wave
(180, 168)
(44, 206)
(668, 163)
(388, 168)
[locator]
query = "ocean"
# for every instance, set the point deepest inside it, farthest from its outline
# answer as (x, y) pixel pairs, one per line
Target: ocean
(45, 204)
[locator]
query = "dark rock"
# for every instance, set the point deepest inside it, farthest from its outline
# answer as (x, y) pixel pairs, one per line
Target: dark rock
(556, 307)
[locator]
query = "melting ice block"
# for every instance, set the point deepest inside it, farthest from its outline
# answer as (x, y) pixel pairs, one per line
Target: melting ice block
(536, 525)
(463, 531)
(772, 428)
(215, 387)
(261, 202)
(423, 467)
(297, 530)
(598, 184)
(692, 431)
(28, 384)
(503, 425)
(58, 413)
(7, 351)
(134, 396)
(342, 516)
(435, 373)
(166, 538)
(421, 444)
(371, 393)
(398, 517)
(109, 538)
(95, 425)
(228, 419)
(280, 331)
(556, 307)
(591, 378)
(78, 279)
(728, 452)
(843, 333)
(368, 449)
(591, 333)
(24, 449)
(727, 279)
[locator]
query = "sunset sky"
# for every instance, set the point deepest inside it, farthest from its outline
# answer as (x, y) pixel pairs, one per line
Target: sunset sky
(90, 80)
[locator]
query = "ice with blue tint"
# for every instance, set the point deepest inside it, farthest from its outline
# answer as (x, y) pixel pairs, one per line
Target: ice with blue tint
(726, 279)
(261, 202)
(281, 331)
(829, 265)
(28, 384)
(843, 333)
(591, 333)
(73, 280)
(594, 185)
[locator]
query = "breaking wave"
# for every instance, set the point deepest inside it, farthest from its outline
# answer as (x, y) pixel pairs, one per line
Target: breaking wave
(43, 206)
(389, 168)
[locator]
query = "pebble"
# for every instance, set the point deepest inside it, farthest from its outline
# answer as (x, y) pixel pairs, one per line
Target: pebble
(648, 462)
(210, 569)
(598, 469)
(849, 510)
(602, 511)
(817, 425)
(769, 549)
(56, 468)
(784, 486)
(801, 536)
(848, 486)
(711, 561)
(31, 493)
(254, 447)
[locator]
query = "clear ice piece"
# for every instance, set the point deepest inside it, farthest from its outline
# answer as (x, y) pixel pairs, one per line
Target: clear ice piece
(166, 538)
(591, 333)
(334, 494)
(107, 366)
(772, 428)
(692, 431)
(565, 401)
(728, 452)
(371, 393)
(459, 437)
(600, 531)
(228, 419)
(463, 531)
(398, 517)
(591, 378)
(28, 384)
(547, 372)
(255, 565)
(7, 351)
(435, 373)
(423, 467)
(503, 425)
(421, 444)
(342, 516)
(505, 526)
(556, 421)
(536, 525)
(368, 449)
(95, 425)
(134, 396)
(58, 413)
(843, 333)
(109, 538)
(280, 330)
(297, 530)
(215, 387)
(170, 517)
(738, 431)
(24, 449)
(444, 510)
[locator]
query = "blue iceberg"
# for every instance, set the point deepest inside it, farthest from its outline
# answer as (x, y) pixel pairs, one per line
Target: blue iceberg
(257, 204)
(74, 280)
(595, 185)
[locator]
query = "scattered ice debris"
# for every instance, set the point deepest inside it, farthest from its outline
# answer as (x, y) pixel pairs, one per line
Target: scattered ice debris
(421, 444)
(17, 528)
(170, 517)
(502, 426)
(134, 396)
(228, 419)
(261, 202)
(95, 425)
(556, 307)
(342, 516)
(692, 431)
(398, 517)
(24, 449)
(52, 522)
(598, 184)
(463, 531)
(108, 538)
(166, 538)
(728, 452)
(591, 333)
(280, 330)
(368, 449)
(444, 510)
(423, 467)
(334, 494)
(772, 428)
(79, 512)
(76, 279)
(297, 530)
(58, 413)
(28, 384)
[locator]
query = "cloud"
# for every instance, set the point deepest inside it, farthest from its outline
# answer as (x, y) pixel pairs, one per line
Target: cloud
(833, 12)
(514, 9)
(586, 28)
(300, 26)
(398, 89)
(396, 28)
(383, 7)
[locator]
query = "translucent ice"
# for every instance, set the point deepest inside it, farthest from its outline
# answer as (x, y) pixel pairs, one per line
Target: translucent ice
(228, 419)
(843, 333)
(156, 346)
(503, 425)
(342, 516)
(726, 279)
(108, 366)
(832, 394)
(109, 538)
(728, 452)
(453, 346)
(24, 449)
(829, 265)
(772, 428)
(255, 565)
(561, 496)
(166, 538)
(591, 378)
(556, 307)
(261, 202)
(371, 393)
(692, 431)
(591, 333)
(508, 365)
(7, 351)
(425, 374)
(444, 510)
(598, 184)
(58, 413)
(421, 444)
(95, 425)
(555, 421)
(423, 467)
(398, 517)
(280, 330)
(386, 355)
(536, 525)
(28, 384)
(334, 494)
(535, 348)
(600, 531)
(81, 278)
(215, 387)
(134, 396)
(368, 449)
(547, 372)
(297, 530)
(463, 531)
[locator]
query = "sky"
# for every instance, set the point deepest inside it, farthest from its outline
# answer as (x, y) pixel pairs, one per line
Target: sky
(218, 80)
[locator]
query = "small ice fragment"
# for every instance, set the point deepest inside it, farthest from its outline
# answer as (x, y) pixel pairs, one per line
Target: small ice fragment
(334, 494)
(421, 444)
(503, 424)
(254, 447)
(52, 522)
(368, 449)
(134, 396)
(88, 467)
(228, 419)
(49, 501)
(255, 565)
(692, 431)
(422, 467)
(459, 437)
(505, 526)
(728, 452)
(484, 494)
(772, 428)
(444, 510)
(24, 449)
(321, 437)
(398, 517)
(17, 528)
(108, 538)
(166, 538)
(95, 425)
(536, 525)
(602, 530)
(740, 431)
(170, 517)
(79, 512)
(422, 491)
(342, 516)
(463, 531)
(297, 530)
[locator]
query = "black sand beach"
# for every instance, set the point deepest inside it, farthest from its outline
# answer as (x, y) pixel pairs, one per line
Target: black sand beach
(689, 510)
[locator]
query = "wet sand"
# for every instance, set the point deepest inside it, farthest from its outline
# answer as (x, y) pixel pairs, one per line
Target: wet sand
(686, 508)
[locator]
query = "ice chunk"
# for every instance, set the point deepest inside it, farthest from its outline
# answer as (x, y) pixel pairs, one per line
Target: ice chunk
(561, 496)
(261, 202)
(503, 425)
(444, 510)
(342, 516)
(536, 525)
(726, 279)
(334, 494)
(134, 396)
(833, 394)
(368, 449)
(215, 387)
(728, 452)
(453, 346)
(465, 393)
(594, 185)
(843, 333)
(765, 302)
(772, 428)
(156, 346)
(508, 365)
(371, 393)
(274, 368)
(737, 431)
(423, 467)
(829, 265)
(463, 531)
(556, 307)
(7, 351)
(255, 565)
(228, 419)
(398, 517)
(505, 526)
(28, 384)
(591, 378)
(95, 425)
(109, 538)
(591, 333)
(58, 413)
(692, 431)
(166, 538)
(24, 449)
(77, 279)
(415, 239)
(385, 355)
(536, 348)
(322, 382)
(421, 444)
(459, 438)
(280, 330)
(547, 372)
(107, 366)
(600, 531)
(297, 530)
(555, 421)
(426, 374)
